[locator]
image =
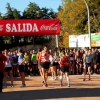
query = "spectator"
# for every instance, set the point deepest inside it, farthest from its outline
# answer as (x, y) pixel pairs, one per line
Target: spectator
(2, 60)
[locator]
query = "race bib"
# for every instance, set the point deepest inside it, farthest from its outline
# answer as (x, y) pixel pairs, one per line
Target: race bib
(71, 58)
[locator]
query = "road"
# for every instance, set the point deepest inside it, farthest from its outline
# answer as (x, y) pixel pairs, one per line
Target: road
(79, 90)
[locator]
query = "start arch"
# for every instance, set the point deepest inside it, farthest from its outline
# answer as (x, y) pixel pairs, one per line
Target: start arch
(29, 27)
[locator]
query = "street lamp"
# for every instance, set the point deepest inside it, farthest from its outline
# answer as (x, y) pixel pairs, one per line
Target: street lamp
(89, 33)
(50, 18)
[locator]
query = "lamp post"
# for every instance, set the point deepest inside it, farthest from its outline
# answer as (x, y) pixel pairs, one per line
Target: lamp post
(89, 32)
(56, 36)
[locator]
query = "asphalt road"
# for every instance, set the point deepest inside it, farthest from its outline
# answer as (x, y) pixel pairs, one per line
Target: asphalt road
(79, 90)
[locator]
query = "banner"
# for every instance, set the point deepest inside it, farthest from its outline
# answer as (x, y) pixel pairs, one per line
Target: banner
(79, 40)
(95, 40)
(29, 27)
(73, 41)
(83, 40)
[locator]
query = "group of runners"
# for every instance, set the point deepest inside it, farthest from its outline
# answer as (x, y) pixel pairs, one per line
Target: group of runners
(62, 62)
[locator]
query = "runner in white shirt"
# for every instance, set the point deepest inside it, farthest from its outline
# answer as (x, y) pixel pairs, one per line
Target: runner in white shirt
(8, 69)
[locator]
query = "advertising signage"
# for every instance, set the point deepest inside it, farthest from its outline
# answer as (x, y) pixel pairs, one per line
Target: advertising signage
(29, 27)
(83, 40)
(79, 40)
(95, 40)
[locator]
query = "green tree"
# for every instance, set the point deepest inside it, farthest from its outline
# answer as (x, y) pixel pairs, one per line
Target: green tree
(59, 8)
(9, 14)
(16, 14)
(30, 11)
(74, 16)
(1, 17)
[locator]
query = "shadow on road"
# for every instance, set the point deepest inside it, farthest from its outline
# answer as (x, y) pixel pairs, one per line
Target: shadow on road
(51, 94)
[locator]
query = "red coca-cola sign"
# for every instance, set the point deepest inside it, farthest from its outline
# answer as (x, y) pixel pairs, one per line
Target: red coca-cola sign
(29, 27)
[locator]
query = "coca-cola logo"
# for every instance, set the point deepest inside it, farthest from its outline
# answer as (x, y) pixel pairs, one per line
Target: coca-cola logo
(1, 27)
(52, 27)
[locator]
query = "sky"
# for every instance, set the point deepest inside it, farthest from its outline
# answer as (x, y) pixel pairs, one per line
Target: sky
(20, 5)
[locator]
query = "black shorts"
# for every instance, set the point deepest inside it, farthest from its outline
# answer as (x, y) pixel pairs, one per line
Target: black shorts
(98, 66)
(94, 63)
(88, 64)
(64, 69)
(7, 69)
(21, 68)
(54, 64)
(26, 65)
(71, 61)
(45, 65)
(34, 65)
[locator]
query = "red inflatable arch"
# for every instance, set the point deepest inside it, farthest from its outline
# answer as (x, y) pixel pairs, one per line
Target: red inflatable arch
(29, 27)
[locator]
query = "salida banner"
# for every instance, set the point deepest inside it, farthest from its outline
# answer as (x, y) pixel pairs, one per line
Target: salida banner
(29, 27)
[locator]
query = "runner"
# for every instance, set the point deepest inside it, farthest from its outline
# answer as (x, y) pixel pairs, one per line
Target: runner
(78, 60)
(15, 64)
(95, 61)
(21, 61)
(87, 63)
(39, 66)
(34, 63)
(64, 68)
(99, 61)
(53, 67)
(27, 63)
(8, 69)
(44, 61)
(71, 58)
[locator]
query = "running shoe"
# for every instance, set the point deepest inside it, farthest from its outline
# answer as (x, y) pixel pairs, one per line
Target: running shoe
(42, 81)
(23, 85)
(55, 78)
(68, 85)
(51, 78)
(31, 74)
(84, 79)
(12, 85)
(5, 86)
(8, 76)
(60, 85)
(45, 85)
(90, 79)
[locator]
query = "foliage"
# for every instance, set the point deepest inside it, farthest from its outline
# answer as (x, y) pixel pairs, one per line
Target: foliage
(32, 11)
(64, 43)
(74, 16)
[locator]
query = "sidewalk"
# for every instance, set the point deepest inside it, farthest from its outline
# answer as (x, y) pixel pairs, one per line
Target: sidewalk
(79, 90)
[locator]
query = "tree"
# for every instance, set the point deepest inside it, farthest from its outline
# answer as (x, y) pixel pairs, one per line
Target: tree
(60, 8)
(74, 16)
(9, 14)
(94, 7)
(1, 17)
(16, 14)
(64, 42)
(30, 11)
